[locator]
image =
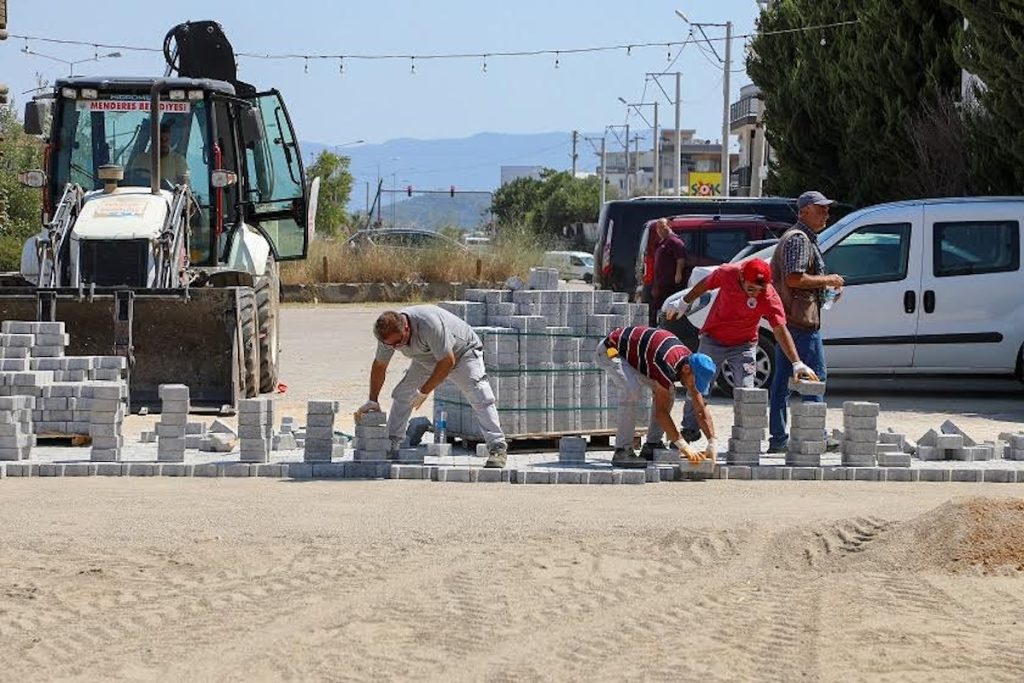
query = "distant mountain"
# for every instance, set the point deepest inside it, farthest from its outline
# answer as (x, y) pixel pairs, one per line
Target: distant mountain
(435, 211)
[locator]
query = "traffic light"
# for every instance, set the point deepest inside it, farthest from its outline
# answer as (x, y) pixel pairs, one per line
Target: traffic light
(451, 192)
(408, 190)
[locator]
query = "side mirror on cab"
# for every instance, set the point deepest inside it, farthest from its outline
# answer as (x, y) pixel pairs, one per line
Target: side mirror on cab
(251, 126)
(37, 117)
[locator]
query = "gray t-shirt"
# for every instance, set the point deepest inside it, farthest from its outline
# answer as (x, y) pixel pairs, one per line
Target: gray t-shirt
(434, 332)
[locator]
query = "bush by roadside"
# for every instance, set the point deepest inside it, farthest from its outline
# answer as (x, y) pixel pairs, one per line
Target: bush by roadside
(332, 261)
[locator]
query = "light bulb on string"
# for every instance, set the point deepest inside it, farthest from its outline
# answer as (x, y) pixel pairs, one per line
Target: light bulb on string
(341, 66)
(557, 59)
(305, 68)
(668, 52)
(412, 65)
(629, 50)
(485, 64)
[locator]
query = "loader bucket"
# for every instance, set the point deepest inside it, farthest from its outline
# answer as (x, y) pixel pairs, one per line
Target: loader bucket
(175, 339)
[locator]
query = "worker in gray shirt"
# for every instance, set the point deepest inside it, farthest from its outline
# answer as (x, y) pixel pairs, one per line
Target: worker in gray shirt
(441, 346)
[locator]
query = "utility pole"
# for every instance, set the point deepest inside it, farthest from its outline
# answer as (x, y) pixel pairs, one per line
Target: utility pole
(657, 154)
(636, 160)
(604, 171)
(725, 109)
(677, 161)
(575, 156)
(626, 169)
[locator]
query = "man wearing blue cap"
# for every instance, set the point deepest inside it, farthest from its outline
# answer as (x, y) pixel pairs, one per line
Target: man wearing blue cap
(798, 274)
(639, 356)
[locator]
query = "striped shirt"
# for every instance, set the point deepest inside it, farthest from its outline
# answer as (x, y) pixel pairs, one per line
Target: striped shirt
(653, 352)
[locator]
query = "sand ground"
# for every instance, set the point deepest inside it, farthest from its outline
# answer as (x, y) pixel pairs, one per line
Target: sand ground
(181, 580)
(251, 580)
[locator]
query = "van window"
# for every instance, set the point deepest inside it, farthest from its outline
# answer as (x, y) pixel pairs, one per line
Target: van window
(576, 261)
(872, 253)
(973, 247)
(721, 245)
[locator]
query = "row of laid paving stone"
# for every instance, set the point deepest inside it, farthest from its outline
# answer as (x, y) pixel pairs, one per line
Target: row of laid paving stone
(543, 475)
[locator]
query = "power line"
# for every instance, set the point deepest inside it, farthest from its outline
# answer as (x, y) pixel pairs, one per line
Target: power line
(557, 53)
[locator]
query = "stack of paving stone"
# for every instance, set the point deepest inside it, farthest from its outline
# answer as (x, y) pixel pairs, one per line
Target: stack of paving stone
(543, 278)
(175, 403)
(952, 443)
(16, 438)
(372, 442)
(220, 438)
(319, 439)
(1015, 445)
(806, 434)
(892, 450)
(255, 430)
(106, 418)
(538, 351)
(572, 450)
(750, 422)
(860, 434)
(285, 440)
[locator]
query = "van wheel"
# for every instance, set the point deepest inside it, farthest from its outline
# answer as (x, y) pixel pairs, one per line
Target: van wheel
(588, 278)
(764, 361)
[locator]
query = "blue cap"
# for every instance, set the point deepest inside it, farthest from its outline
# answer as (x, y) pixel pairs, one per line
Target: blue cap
(813, 197)
(703, 369)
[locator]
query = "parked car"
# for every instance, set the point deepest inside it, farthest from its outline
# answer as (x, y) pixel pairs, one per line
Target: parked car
(709, 240)
(571, 265)
(621, 224)
(932, 289)
(402, 238)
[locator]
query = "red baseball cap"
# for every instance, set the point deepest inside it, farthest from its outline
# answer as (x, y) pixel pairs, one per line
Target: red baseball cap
(757, 271)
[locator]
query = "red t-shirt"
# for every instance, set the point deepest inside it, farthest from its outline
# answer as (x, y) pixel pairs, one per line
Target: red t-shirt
(732, 321)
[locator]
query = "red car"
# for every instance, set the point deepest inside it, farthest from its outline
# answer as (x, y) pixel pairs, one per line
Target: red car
(710, 240)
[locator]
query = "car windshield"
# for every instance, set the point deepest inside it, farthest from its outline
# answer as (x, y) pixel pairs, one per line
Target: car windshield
(106, 130)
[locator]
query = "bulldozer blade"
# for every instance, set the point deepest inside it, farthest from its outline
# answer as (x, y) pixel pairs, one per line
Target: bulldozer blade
(169, 338)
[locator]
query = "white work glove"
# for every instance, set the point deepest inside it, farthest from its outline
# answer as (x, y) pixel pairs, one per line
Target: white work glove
(678, 311)
(801, 371)
(687, 451)
(368, 407)
(711, 451)
(418, 399)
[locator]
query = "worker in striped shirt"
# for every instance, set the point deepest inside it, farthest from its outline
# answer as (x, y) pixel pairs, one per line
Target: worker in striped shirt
(635, 357)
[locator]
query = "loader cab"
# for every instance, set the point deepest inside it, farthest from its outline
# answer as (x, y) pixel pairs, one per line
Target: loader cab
(205, 129)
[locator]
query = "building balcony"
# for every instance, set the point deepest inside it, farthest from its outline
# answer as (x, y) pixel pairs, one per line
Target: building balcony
(744, 113)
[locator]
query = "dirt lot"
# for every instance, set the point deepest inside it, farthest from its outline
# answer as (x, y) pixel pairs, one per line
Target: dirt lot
(180, 580)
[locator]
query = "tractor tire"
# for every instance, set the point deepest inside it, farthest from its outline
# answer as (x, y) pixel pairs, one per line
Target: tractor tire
(250, 343)
(268, 304)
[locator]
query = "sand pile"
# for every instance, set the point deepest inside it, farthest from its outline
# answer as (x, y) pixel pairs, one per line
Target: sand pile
(972, 535)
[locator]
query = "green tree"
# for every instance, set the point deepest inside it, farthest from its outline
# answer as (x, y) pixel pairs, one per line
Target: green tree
(20, 207)
(992, 48)
(335, 188)
(547, 205)
(840, 102)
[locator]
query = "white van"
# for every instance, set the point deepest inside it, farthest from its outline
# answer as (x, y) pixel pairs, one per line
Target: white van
(571, 265)
(933, 287)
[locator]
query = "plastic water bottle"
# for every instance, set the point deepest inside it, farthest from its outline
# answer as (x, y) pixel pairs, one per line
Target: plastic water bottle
(830, 297)
(441, 427)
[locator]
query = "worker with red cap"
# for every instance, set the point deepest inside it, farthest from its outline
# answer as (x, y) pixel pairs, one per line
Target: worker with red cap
(729, 335)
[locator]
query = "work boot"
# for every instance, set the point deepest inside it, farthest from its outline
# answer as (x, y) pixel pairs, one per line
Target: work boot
(625, 457)
(777, 448)
(393, 449)
(497, 457)
(690, 435)
(831, 444)
(647, 451)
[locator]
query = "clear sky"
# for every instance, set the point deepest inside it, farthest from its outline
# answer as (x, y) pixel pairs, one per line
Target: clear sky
(379, 101)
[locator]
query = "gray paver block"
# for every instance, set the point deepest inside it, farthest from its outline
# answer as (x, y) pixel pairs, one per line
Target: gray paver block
(750, 396)
(801, 460)
(741, 472)
(1001, 476)
(894, 459)
(744, 447)
(815, 447)
(860, 409)
(143, 469)
(79, 469)
(929, 439)
(176, 470)
(939, 475)
(835, 474)
(702, 470)
(237, 469)
(861, 435)
(273, 470)
(866, 474)
(328, 471)
(110, 469)
(751, 421)
(493, 475)
(409, 472)
(440, 450)
(807, 474)
(748, 433)
(949, 441)
(766, 473)
(808, 408)
(950, 427)
(632, 477)
(967, 475)
(207, 470)
(807, 388)
(900, 474)
(805, 422)
(751, 410)
(856, 448)
(300, 470)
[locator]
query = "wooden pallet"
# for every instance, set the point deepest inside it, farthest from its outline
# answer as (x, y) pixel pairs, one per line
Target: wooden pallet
(57, 439)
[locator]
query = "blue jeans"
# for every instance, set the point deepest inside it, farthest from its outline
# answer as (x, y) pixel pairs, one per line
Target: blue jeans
(812, 352)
